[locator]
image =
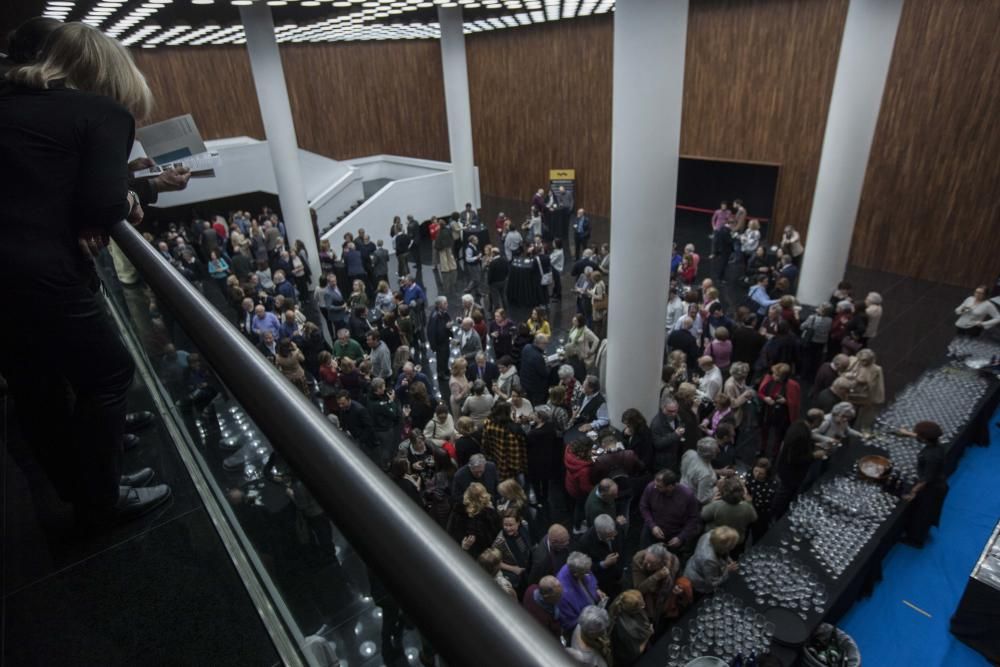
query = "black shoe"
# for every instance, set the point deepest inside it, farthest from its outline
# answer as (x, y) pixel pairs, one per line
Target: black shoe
(134, 501)
(138, 478)
(136, 421)
(130, 441)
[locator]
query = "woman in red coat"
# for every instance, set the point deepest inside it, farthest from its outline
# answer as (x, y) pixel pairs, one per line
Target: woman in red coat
(781, 400)
(578, 460)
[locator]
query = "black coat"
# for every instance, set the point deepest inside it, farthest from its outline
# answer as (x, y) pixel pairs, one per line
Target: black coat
(490, 374)
(684, 340)
(608, 580)
(666, 443)
(438, 328)
(747, 344)
(533, 372)
(545, 451)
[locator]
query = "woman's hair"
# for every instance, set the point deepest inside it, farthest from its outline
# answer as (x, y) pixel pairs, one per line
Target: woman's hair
(441, 409)
(865, 356)
(490, 560)
(634, 420)
(458, 367)
(628, 602)
(285, 347)
(476, 498)
(465, 425)
(686, 394)
(399, 467)
(324, 357)
(500, 412)
(347, 365)
(581, 448)
(843, 409)
(382, 286)
(763, 463)
(787, 301)
(739, 370)
(721, 333)
(723, 539)
(86, 59)
(677, 359)
(510, 489)
(557, 394)
(579, 563)
(781, 371)
(418, 393)
(579, 321)
(565, 372)
(722, 401)
(731, 490)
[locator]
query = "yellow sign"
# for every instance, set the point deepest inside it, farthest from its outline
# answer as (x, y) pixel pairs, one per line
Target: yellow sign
(562, 174)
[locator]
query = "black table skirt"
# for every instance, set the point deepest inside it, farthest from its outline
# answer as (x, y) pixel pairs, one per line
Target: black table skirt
(482, 235)
(524, 286)
(977, 619)
(860, 578)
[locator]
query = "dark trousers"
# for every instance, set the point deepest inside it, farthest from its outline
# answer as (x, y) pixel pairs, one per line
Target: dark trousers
(579, 245)
(69, 372)
(442, 353)
(498, 295)
(556, 284)
(403, 259)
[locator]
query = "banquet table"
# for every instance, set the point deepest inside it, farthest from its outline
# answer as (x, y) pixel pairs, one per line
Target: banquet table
(865, 570)
(524, 284)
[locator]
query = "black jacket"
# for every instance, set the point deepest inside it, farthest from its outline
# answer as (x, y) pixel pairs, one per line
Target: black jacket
(684, 340)
(490, 373)
(358, 422)
(534, 372)
(438, 328)
(497, 270)
(747, 344)
(666, 443)
(607, 579)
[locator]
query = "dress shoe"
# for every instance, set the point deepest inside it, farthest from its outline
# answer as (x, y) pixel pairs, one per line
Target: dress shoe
(130, 441)
(135, 421)
(135, 501)
(138, 478)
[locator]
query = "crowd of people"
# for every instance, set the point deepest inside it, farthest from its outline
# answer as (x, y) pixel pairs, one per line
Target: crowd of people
(506, 432)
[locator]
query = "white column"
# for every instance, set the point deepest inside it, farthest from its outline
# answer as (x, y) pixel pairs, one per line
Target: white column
(645, 152)
(275, 111)
(865, 53)
(456, 98)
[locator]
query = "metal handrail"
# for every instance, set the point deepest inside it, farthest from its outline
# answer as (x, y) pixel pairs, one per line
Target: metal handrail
(453, 602)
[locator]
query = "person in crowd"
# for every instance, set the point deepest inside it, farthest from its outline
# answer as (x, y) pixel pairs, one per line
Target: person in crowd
(550, 554)
(797, 454)
(379, 356)
(439, 334)
(459, 386)
(504, 442)
(721, 217)
(541, 600)
(738, 391)
(578, 461)
(534, 372)
(346, 347)
(468, 443)
(479, 404)
(721, 416)
(722, 251)
(639, 439)
(497, 273)
(357, 421)
(683, 339)
(483, 369)
(590, 643)
(815, 333)
(731, 507)
(710, 383)
(479, 470)
(873, 311)
(505, 379)
(631, 629)
(828, 372)
(386, 418)
(791, 245)
(720, 348)
(603, 500)
(475, 523)
(667, 430)
(605, 545)
(750, 240)
(676, 309)
(670, 513)
(544, 451)
(839, 328)
(579, 589)
(761, 485)
(867, 387)
(654, 573)
(441, 428)
(926, 497)
(520, 408)
(781, 398)
(591, 413)
(835, 429)
(402, 244)
(289, 361)
(581, 342)
(512, 242)
(711, 563)
(976, 314)
(559, 415)
(837, 392)
(66, 150)
(598, 295)
(491, 560)
(747, 341)
(697, 473)
(514, 546)
(688, 407)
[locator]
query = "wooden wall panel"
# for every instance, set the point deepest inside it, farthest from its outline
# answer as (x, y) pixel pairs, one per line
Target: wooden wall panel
(213, 84)
(541, 99)
(757, 86)
(348, 100)
(930, 198)
(362, 98)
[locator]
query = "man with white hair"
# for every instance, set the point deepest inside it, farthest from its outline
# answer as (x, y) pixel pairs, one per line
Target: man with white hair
(469, 344)
(541, 599)
(478, 469)
(697, 472)
(605, 545)
(469, 306)
(710, 383)
(684, 340)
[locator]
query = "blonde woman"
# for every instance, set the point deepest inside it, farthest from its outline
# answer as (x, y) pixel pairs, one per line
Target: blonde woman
(868, 391)
(475, 523)
(737, 390)
(358, 298)
(599, 304)
(66, 128)
(458, 386)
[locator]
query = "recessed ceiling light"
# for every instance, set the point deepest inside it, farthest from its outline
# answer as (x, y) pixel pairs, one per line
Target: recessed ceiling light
(202, 2)
(276, 3)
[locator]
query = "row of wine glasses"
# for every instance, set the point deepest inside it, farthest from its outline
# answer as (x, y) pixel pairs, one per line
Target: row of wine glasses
(723, 627)
(781, 580)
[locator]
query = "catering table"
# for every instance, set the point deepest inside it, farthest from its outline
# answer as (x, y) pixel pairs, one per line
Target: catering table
(865, 570)
(978, 615)
(524, 284)
(481, 233)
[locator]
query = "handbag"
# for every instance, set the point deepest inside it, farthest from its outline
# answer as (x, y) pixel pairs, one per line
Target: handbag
(600, 302)
(546, 276)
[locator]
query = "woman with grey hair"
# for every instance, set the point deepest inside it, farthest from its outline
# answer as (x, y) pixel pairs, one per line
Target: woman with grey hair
(868, 391)
(579, 588)
(590, 644)
(873, 310)
(737, 390)
(697, 472)
(479, 404)
(836, 426)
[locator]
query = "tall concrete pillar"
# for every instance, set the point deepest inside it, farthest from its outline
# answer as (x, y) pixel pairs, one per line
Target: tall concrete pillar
(456, 97)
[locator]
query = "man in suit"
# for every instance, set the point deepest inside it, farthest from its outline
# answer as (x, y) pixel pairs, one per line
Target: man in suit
(747, 341)
(403, 243)
(497, 271)
(722, 242)
(267, 346)
(244, 320)
(469, 217)
(469, 343)
(592, 413)
(564, 209)
(439, 336)
(483, 370)
(549, 555)
(682, 339)
(357, 421)
(605, 546)
(534, 372)
(581, 233)
(478, 469)
(668, 432)
(581, 263)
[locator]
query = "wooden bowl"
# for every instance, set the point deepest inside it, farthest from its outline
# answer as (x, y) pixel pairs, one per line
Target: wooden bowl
(874, 467)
